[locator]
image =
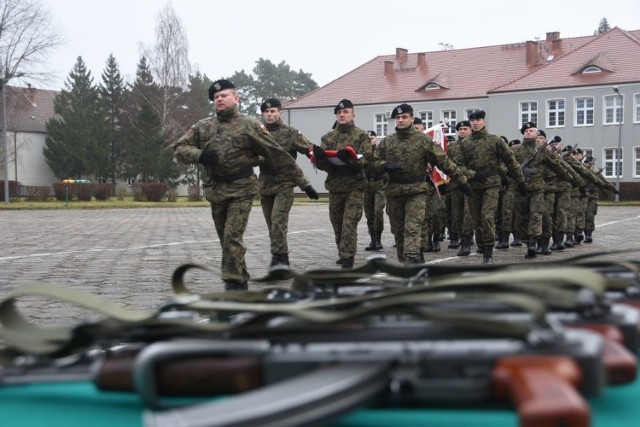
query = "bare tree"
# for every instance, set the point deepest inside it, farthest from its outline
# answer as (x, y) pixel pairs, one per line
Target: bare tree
(169, 63)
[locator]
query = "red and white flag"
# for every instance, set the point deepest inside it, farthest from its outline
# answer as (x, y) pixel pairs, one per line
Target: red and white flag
(437, 133)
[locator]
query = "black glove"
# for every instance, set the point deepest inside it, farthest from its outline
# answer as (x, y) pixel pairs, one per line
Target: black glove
(311, 192)
(318, 152)
(522, 189)
(208, 157)
(574, 182)
(583, 191)
(556, 139)
(388, 166)
(504, 182)
(343, 155)
(480, 177)
(466, 189)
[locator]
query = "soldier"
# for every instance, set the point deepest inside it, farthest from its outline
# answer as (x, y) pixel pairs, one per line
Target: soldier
(533, 157)
(481, 154)
(276, 189)
(461, 221)
(345, 181)
(575, 220)
(229, 146)
(374, 200)
(405, 156)
(507, 209)
(593, 195)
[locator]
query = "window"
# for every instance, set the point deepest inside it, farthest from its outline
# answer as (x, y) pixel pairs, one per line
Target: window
(555, 113)
(610, 163)
(591, 69)
(381, 125)
(636, 108)
(636, 162)
(427, 118)
(584, 112)
(528, 112)
(612, 110)
(468, 111)
(450, 118)
(432, 86)
(587, 152)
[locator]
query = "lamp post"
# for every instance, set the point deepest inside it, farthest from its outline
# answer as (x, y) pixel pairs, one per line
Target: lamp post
(5, 144)
(619, 153)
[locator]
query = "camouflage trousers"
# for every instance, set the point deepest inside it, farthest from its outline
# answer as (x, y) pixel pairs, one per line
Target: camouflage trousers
(508, 200)
(529, 211)
(482, 208)
(374, 203)
(573, 211)
(345, 212)
(581, 211)
(434, 215)
(406, 218)
(276, 208)
(230, 217)
(458, 207)
(559, 207)
(590, 214)
(548, 214)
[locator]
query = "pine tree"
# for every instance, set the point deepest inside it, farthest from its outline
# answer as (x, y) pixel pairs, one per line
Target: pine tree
(112, 100)
(603, 27)
(77, 144)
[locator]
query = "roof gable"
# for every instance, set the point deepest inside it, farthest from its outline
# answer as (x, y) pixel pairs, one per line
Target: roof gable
(29, 109)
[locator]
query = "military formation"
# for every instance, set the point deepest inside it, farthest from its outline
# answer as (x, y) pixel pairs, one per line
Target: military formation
(541, 192)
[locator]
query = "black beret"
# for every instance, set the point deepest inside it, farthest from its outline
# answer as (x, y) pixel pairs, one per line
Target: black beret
(578, 151)
(345, 103)
(526, 126)
(504, 139)
(371, 133)
(541, 133)
(417, 121)
(589, 159)
(402, 109)
(219, 85)
(477, 114)
(567, 149)
(514, 142)
(450, 138)
(270, 103)
(555, 140)
(461, 123)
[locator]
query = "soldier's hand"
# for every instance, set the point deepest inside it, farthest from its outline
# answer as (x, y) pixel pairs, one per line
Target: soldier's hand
(311, 192)
(480, 177)
(466, 189)
(343, 155)
(208, 157)
(388, 166)
(318, 152)
(522, 189)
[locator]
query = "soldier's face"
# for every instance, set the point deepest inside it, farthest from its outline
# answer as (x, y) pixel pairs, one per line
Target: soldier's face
(225, 99)
(373, 139)
(271, 115)
(419, 127)
(477, 124)
(540, 140)
(464, 131)
(531, 133)
(403, 121)
(345, 115)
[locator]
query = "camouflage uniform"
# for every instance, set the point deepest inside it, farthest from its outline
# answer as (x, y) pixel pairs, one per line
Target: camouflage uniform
(346, 185)
(230, 184)
(407, 187)
(374, 203)
(433, 218)
(530, 208)
(579, 201)
(483, 152)
(276, 189)
(557, 204)
(461, 221)
(592, 204)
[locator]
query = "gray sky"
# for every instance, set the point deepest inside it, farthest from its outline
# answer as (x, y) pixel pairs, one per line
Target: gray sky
(326, 38)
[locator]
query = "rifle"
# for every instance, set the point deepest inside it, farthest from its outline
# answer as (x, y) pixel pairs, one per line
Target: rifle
(530, 158)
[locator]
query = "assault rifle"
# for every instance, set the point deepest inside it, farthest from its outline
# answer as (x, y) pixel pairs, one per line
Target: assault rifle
(530, 158)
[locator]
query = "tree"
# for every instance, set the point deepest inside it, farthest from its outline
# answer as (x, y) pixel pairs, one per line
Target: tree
(603, 27)
(77, 144)
(111, 99)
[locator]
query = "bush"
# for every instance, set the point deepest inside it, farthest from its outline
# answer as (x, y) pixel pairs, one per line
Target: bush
(138, 193)
(121, 191)
(84, 192)
(38, 193)
(153, 191)
(172, 195)
(14, 186)
(102, 191)
(63, 191)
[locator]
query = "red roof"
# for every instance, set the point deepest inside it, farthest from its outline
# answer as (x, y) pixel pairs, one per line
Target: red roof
(476, 72)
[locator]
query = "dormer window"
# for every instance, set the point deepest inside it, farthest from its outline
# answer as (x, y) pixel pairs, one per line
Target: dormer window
(432, 86)
(591, 69)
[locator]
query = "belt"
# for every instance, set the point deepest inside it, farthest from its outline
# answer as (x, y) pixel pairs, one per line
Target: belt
(234, 176)
(408, 180)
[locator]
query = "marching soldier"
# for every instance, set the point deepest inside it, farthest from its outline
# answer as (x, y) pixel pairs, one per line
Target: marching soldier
(374, 200)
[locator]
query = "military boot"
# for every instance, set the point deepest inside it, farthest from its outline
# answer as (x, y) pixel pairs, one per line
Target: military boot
(454, 242)
(558, 239)
(531, 248)
(378, 237)
(347, 263)
(539, 246)
(372, 245)
(544, 246)
(503, 241)
(412, 260)
(428, 244)
(578, 236)
(436, 243)
(516, 240)
(465, 246)
(235, 285)
(277, 259)
(487, 257)
(588, 236)
(569, 242)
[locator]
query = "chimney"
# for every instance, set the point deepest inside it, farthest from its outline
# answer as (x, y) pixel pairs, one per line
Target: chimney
(422, 60)
(553, 36)
(532, 52)
(388, 67)
(401, 54)
(31, 93)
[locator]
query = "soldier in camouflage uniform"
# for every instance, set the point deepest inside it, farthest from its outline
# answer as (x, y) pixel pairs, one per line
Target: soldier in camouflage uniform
(346, 181)
(405, 156)
(481, 154)
(534, 157)
(229, 145)
(593, 195)
(575, 223)
(276, 189)
(508, 200)
(461, 220)
(374, 200)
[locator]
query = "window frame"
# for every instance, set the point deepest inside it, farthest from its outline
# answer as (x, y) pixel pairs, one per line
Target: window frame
(559, 113)
(586, 109)
(529, 114)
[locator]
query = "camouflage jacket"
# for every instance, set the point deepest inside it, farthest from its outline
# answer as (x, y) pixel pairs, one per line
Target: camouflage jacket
(535, 168)
(239, 142)
(413, 151)
(582, 170)
(452, 149)
(556, 185)
(484, 152)
(376, 180)
(348, 177)
(272, 179)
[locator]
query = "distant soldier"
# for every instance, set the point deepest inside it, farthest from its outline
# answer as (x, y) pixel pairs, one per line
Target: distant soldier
(276, 189)
(229, 145)
(593, 195)
(374, 200)
(346, 181)
(481, 154)
(405, 155)
(461, 221)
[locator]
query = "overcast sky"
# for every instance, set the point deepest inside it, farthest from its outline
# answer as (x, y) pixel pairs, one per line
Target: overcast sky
(326, 38)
